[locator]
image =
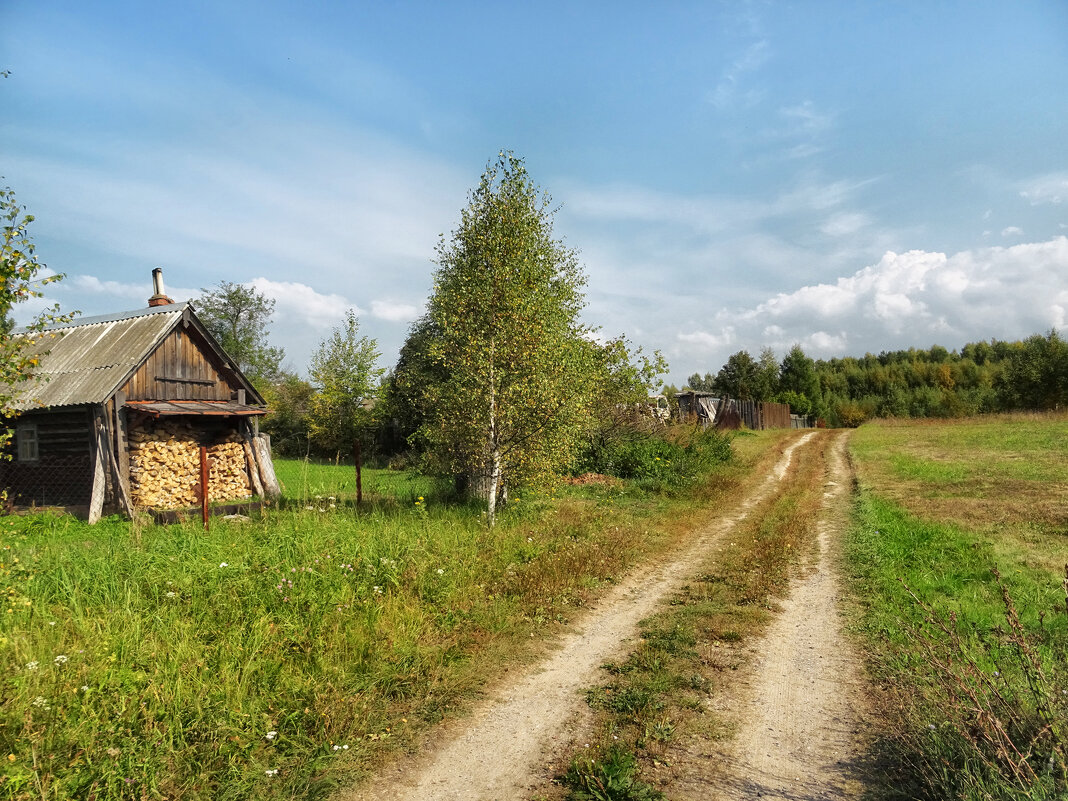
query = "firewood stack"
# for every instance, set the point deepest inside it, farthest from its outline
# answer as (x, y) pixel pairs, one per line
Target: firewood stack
(165, 467)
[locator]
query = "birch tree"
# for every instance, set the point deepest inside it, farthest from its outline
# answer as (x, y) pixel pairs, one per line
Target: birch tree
(509, 344)
(344, 371)
(24, 276)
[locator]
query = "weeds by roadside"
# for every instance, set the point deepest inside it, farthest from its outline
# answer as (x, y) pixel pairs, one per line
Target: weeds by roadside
(282, 656)
(1000, 730)
(659, 692)
(970, 660)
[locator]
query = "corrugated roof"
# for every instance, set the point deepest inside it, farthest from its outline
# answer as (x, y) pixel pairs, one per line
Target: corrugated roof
(88, 359)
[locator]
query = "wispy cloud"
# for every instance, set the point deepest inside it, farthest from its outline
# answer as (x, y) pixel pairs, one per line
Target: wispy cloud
(731, 88)
(1049, 188)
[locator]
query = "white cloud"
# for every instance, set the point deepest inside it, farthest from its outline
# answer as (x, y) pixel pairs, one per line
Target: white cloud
(1050, 188)
(806, 119)
(729, 89)
(1012, 230)
(845, 223)
(394, 312)
(917, 298)
(705, 340)
(299, 304)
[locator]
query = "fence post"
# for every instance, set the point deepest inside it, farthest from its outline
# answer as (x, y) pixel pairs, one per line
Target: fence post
(359, 478)
(204, 485)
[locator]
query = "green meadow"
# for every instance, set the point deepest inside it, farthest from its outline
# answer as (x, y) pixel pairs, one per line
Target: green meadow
(287, 654)
(959, 560)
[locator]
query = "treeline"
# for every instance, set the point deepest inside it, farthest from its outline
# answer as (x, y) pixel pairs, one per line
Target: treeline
(982, 377)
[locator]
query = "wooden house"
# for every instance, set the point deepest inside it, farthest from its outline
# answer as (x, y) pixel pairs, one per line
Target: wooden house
(119, 408)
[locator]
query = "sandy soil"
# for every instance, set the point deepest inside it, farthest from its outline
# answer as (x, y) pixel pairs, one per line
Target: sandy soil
(797, 706)
(511, 743)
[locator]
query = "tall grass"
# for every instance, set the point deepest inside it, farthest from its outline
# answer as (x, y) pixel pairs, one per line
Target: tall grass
(658, 694)
(968, 625)
(277, 657)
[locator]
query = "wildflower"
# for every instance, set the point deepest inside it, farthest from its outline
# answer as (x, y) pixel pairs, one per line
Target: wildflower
(172, 594)
(61, 659)
(441, 571)
(85, 688)
(344, 748)
(223, 564)
(377, 590)
(271, 772)
(11, 757)
(31, 665)
(40, 701)
(336, 747)
(931, 726)
(51, 623)
(271, 735)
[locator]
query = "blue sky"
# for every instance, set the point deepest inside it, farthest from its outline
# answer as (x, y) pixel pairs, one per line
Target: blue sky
(849, 176)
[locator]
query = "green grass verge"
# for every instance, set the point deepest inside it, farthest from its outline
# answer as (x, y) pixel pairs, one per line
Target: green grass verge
(658, 693)
(967, 625)
(281, 657)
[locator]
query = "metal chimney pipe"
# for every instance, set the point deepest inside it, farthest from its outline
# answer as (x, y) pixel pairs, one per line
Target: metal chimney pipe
(159, 297)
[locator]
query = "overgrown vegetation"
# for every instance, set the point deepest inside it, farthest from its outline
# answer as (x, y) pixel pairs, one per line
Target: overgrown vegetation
(658, 693)
(661, 458)
(282, 656)
(959, 558)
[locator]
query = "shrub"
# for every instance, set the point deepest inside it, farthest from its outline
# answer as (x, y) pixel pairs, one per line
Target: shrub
(670, 457)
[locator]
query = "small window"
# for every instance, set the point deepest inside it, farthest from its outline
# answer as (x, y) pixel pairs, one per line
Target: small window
(27, 439)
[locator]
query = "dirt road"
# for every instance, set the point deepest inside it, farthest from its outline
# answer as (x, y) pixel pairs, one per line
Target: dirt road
(795, 727)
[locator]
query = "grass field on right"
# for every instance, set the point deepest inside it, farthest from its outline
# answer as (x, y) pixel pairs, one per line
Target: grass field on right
(958, 564)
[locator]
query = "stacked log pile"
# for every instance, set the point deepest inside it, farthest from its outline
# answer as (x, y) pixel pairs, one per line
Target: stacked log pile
(165, 467)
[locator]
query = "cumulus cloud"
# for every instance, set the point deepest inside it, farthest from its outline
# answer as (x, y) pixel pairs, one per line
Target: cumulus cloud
(394, 312)
(299, 304)
(917, 298)
(1011, 230)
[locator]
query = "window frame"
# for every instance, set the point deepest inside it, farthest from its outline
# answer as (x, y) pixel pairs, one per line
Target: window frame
(28, 443)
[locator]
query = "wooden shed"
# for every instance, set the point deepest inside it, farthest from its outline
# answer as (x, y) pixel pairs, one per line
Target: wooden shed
(118, 411)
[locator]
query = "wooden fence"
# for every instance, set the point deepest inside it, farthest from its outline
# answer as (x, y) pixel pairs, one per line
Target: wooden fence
(754, 415)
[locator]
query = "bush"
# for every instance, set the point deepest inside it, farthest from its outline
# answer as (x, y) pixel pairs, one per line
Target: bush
(670, 457)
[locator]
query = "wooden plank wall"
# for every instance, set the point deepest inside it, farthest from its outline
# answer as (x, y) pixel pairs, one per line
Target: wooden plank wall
(179, 369)
(62, 475)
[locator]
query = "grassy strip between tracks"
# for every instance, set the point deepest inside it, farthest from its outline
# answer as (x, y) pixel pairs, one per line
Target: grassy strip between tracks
(285, 656)
(649, 702)
(958, 556)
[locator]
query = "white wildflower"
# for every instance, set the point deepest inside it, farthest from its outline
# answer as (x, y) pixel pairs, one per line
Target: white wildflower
(271, 735)
(61, 659)
(223, 564)
(32, 665)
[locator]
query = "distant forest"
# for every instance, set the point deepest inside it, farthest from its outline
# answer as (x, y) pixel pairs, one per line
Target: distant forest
(982, 377)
